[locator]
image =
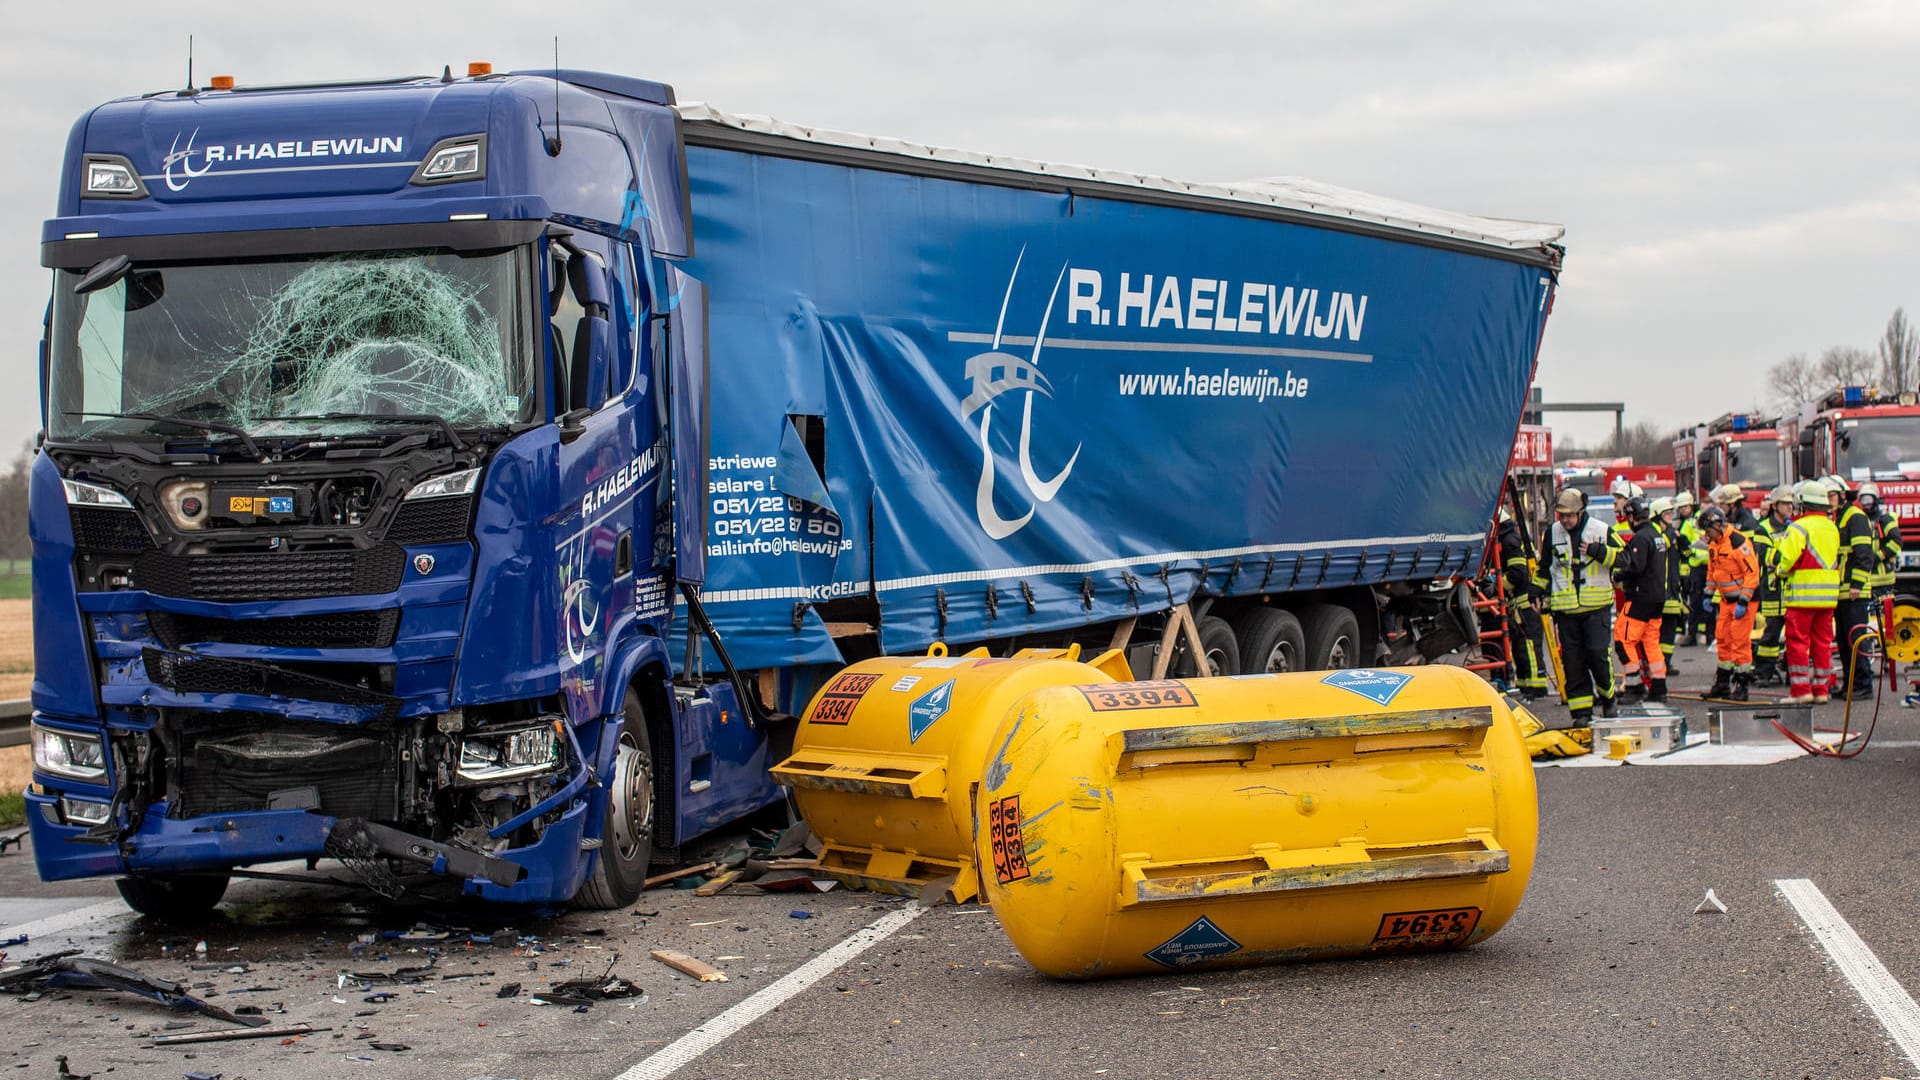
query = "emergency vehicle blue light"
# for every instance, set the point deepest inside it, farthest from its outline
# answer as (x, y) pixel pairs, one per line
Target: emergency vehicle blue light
(1855, 395)
(1739, 424)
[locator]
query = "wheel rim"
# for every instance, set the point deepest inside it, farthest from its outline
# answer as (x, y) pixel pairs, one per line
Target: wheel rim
(1338, 654)
(632, 799)
(1280, 659)
(1217, 662)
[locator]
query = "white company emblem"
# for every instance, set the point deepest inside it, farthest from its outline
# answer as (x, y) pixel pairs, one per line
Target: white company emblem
(991, 374)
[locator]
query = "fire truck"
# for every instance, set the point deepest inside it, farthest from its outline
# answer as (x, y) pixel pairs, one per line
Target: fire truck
(1861, 435)
(1733, 449)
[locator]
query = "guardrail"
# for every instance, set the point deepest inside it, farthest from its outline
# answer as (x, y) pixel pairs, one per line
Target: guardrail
(14, 716)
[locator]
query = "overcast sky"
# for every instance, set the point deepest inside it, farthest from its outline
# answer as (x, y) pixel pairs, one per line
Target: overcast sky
(1739, 181)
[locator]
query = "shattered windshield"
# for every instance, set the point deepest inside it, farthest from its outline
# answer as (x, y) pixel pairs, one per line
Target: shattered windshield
(239, 343)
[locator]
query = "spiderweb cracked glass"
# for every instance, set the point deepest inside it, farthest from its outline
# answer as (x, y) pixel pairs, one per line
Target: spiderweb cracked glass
(365, 337)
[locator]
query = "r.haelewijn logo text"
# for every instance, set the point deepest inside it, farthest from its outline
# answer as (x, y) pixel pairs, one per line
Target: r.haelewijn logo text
(186, 161)
(991, 374)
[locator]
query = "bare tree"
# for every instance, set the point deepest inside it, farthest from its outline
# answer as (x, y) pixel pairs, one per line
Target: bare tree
(1845, 365)
(1792, 382)
(1898, 349)
(14, 543)
(1642, 442)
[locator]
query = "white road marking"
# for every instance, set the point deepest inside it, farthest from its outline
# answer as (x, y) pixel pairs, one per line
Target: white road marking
(686, 1048)
(68, 920)
(1889, 1001)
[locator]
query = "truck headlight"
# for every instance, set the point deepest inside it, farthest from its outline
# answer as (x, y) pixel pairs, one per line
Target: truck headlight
(463, 157)
(79, 494)
(68, 753)
(487, 758)
(448, 484)
(110, 176)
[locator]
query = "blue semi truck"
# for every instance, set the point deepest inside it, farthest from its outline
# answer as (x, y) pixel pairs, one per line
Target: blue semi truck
(466, 478)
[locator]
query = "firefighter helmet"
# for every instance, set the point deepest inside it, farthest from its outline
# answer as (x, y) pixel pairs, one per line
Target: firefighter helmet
(1637, 509)
(1837, 483)
(1728, 494)
(1684, 499)
(1712, 516)
(1570, 502)
(1812, 493)
(1868, 490)
(1781, 494)
(1661, 505)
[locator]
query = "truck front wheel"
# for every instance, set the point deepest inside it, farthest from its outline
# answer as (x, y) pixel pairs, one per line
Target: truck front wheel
(170, 898)
(626, 841)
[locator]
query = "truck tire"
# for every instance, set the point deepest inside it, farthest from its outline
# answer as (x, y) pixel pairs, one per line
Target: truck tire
(173, 898)
(1271, 642)
(626, 840)
(1222, 648)
(1333, 637)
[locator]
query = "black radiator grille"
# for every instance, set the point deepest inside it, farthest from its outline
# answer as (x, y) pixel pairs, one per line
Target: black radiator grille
(241, 761)
(188, 673)
(101, 529)
(292, 575)
(431, 521)
(337, 630)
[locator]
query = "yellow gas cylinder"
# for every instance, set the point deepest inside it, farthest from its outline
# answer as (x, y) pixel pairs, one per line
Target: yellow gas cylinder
(887, 755)
(1152, 826)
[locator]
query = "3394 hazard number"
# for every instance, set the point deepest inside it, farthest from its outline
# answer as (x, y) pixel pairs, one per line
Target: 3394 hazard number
(1009, 847)
(1433, 929)
(1155, 694)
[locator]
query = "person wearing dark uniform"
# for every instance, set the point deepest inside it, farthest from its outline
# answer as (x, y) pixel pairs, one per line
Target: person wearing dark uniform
(1674, 612)
(1773, 623)
(1857, 564)
(1576, 558)
(1640, 571)
(1525, 634)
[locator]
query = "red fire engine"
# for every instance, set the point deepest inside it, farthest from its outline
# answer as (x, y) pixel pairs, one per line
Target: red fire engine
(1732, 449)
(1864, 436)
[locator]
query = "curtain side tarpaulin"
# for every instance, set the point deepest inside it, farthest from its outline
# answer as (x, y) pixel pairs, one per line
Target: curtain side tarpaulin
(1043, 411)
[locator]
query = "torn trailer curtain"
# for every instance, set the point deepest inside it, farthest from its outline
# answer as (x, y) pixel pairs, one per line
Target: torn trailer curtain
(1042, 411)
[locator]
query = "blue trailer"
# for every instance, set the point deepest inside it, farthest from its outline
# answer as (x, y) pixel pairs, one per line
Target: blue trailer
(466, 478)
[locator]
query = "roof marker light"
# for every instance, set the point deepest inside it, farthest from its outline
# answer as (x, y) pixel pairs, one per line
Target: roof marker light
(477, 68)
(220, 82)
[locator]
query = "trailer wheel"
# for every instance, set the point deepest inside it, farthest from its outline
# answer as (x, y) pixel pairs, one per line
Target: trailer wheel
(626, 841)
(181, 898)
(1271, 642)
(1222, 648)
(1333, 637)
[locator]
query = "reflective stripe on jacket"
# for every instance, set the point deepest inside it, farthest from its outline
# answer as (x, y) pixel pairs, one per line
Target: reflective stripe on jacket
(1732, 570)
(1856, 547)
(1808, 559)
(1576, 582)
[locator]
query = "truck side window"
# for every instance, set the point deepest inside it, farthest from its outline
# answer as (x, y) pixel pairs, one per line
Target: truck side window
(564, 320)
(625, 317)
(568, 303)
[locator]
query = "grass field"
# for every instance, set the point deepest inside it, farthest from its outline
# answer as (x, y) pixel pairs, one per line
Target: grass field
(17, 586)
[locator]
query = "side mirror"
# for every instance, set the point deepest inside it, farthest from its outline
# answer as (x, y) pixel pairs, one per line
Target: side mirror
(1806, 460)
(1733, 459)
(1806, 437)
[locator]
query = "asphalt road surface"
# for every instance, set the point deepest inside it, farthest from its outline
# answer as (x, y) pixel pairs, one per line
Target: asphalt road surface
(1604, 972)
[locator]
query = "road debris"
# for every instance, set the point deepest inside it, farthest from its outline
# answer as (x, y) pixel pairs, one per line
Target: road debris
(714, 887)
(71, 971)
(1711, 905)
(186, 1037)
(687, 965)
(675, 875)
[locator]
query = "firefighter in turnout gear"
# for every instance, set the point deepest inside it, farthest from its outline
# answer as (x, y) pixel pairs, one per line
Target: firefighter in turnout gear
(1576, 558)
(1624, 492)
(1886, 538)
(1695, 627)
(1640, 570)
(1807, 558)
(1766, 650)
(1674, 611)
(1734, 574)
(1525, 635)
(1857, 564)
(1733, 502)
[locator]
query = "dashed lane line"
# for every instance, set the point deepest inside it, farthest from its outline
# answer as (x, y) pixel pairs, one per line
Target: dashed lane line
(686, 1048)
(1883, 994)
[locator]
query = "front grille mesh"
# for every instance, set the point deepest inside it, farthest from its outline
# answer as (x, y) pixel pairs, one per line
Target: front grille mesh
(337, 630)
(431, 521)
(189, 673)
(101, 529)
(242, 761)
(293, 575)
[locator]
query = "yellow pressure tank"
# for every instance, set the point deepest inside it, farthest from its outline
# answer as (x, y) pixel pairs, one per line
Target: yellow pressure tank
(887, 755)
(1139, 827)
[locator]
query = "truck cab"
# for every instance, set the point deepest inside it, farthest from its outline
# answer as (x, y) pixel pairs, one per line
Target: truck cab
(1732, 449)
(371, 473)
(1858, 434)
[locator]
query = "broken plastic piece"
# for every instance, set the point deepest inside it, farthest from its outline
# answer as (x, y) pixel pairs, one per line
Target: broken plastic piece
(71, 971)
(1710, 905)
